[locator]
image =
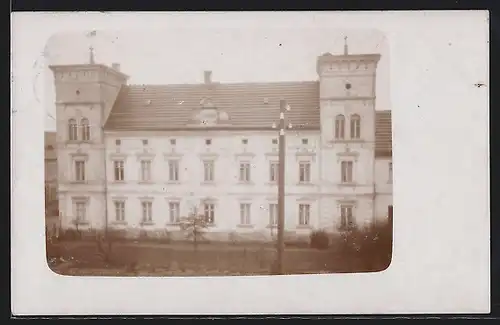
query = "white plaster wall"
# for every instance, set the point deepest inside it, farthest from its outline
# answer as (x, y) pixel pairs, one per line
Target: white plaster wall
(330, 210)
(383, 179)
(94, 209)
(226, 150)
(383, 187)
(227, 211)
(226, 191)
(382, 203)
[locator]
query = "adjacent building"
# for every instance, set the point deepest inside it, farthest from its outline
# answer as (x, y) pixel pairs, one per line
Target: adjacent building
(50, 164)
(143, 156)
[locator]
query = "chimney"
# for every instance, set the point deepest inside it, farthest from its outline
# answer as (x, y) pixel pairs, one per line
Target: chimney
(208, 77)
(115, 66)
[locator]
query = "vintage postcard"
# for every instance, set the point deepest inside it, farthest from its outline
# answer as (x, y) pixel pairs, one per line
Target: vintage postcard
(181, 153)
(213, 177)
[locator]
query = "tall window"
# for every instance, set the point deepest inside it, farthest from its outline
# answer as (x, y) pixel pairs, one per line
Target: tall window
(209, 213)
(273, 171)
(339, 127)
(245, 172)
(355, 126)
(346, 217)
(120, 211)
(390, 172)
(245, 214)
(145, 170)
(80, 170)
(304, 212)
(346, 171)
(208, 170)
(80, 211)
(173, 170)
(85, 125)
(72, 130)
(119, 167)
(147, 211)
(304, 172)
(174, 212)
(273, 214)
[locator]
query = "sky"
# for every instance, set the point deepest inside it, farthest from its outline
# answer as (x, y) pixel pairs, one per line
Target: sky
(173, 56)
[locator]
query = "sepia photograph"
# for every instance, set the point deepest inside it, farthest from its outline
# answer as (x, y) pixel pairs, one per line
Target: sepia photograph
(220, 172)
(243, 163)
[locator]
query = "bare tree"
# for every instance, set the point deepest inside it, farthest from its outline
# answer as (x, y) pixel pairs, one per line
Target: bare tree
(194, 225)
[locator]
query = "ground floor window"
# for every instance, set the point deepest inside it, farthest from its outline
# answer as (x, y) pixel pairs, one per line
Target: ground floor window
(347, 217)
(209, 213)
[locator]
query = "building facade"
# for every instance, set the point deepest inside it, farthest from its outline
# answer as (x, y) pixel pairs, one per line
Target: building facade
(143, 156)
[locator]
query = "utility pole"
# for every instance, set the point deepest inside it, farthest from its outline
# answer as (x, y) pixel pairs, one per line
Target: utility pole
(281, 187)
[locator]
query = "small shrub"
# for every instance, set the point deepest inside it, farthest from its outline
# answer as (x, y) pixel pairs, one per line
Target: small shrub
(194, 226)
(320, 240)
(370, 249)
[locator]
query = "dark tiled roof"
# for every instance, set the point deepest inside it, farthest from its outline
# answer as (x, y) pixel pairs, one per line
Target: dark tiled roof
(50, 145)
(248, 105)
(383, 134)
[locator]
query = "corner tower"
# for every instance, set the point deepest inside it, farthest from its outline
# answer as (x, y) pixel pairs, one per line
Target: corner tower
(85, 94)
(347, 84)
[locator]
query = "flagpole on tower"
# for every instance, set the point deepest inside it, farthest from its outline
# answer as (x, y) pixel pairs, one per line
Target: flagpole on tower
(91, 47)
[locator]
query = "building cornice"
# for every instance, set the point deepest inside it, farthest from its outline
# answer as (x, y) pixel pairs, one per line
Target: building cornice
(215, 130)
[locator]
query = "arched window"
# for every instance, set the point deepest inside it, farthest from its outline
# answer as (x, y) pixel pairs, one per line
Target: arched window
(355, 126)
(72, 130)
(85, 129)
(339, 127)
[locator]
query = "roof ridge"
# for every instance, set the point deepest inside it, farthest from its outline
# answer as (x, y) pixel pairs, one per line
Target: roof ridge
(229, 83)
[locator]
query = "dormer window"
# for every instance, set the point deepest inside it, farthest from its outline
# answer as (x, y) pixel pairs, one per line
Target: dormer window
(208, 142)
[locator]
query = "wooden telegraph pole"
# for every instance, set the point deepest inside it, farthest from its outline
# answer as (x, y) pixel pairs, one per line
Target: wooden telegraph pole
(281, 188)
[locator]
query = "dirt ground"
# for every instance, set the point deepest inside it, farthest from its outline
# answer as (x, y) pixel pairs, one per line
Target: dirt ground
(147, 259)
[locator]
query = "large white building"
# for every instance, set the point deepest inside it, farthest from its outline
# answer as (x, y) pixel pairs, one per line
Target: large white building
(142, 156)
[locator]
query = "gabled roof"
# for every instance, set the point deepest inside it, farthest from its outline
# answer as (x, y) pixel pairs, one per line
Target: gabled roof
(247, 105)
